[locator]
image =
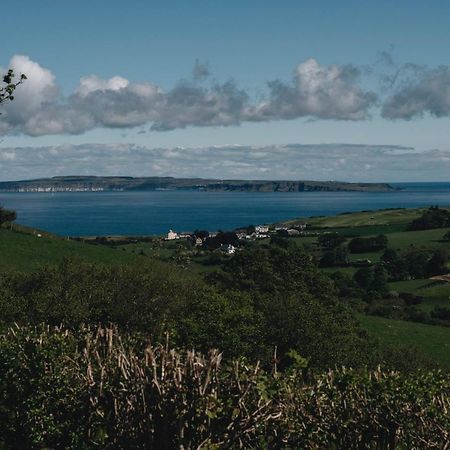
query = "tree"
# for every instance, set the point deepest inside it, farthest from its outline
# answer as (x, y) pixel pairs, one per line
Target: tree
(7, 92)
(7, 215)
(433, 217)
(366, 245)
(437, 264)
(330, 240)
(202, 234)
(446, 236)
(335, 257)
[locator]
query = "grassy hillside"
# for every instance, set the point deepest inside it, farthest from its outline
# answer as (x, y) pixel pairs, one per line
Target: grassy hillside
(20, 250)
(364, 218)
(431, 339)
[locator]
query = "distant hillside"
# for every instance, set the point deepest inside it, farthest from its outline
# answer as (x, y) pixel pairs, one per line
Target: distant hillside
(92, 183)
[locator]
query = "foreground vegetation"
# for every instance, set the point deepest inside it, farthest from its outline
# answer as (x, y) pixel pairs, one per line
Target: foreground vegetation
(96, 388)
(88, 336)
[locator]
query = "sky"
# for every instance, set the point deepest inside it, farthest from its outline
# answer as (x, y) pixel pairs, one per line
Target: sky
(326, 90)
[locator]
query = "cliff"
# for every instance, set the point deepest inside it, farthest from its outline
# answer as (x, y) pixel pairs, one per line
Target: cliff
(92, 183)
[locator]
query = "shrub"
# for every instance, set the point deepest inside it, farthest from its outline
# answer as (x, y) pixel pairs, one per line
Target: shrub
(97, 388)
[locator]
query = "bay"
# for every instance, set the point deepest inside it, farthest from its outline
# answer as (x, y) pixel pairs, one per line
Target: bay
(155, 212)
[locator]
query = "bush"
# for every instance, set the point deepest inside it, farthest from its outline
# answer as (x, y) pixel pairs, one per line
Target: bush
(96, 388)
(367, 245)
(7, 215)
(156, 298)
(434, 217)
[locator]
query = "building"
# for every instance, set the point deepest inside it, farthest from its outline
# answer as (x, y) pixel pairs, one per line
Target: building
(262, 229)
(198, 242)
(171, 235)
(228, 249)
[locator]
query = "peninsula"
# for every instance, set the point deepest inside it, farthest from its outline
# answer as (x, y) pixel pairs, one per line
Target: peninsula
(94, 183)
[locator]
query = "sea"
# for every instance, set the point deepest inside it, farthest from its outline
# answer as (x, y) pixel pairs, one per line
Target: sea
(134, 213)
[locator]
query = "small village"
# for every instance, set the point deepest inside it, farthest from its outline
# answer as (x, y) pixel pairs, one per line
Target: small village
(230, 242)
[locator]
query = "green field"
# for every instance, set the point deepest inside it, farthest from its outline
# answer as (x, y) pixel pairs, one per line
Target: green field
(364, 218)
(26, 252)
(432, 340)
(436, 293)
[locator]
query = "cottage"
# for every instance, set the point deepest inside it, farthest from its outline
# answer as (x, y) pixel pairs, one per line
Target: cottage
(171, 235)
(262, 229)
(228, 249)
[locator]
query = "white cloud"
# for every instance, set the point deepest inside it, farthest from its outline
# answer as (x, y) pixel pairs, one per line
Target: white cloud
(93, 83)
(316, 91)
(325, 92)
(427, 92)
(321, 162)
(32, 96)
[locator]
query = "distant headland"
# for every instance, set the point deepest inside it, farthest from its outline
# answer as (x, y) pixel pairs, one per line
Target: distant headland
(95, 184)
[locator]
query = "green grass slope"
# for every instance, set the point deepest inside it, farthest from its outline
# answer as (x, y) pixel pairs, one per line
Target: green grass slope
(431, 339)
(27, 252)
(364, 218)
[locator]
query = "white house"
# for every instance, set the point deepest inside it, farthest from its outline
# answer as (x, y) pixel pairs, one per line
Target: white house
(171, 235)
(228, 249)
(262, 229)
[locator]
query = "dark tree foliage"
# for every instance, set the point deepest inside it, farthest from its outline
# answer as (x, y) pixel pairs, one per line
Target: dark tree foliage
(202, 234)
(346, 286)
(416, 262)
(7, 91)
(289, 305)
(335, 257)
(222, 238)
(7, 215)
(441, 313)
(446, 236)
(434, 217)
(367, 245)
(250, 229)
(272, 268)
(372, 279)
(330, 240)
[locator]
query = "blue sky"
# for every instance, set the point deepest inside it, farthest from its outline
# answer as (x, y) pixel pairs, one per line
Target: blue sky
(372, 73)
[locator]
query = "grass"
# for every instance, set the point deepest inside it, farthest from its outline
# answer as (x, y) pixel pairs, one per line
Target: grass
(367, 230)
(431, 339)
(365, 218)
(435, 293)
(428, 238)
(27, 252)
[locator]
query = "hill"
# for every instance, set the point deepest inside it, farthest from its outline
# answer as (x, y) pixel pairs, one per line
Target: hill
(92, 183)
(22, 250)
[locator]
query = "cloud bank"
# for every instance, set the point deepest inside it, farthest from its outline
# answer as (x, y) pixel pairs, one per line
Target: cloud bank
(319, 162)
(427, 92)
(316, 91)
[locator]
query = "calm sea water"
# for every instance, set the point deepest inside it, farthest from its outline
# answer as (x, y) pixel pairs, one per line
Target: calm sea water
(154, 212)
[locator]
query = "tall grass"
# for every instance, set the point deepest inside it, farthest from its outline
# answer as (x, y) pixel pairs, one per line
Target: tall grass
(97, 388)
